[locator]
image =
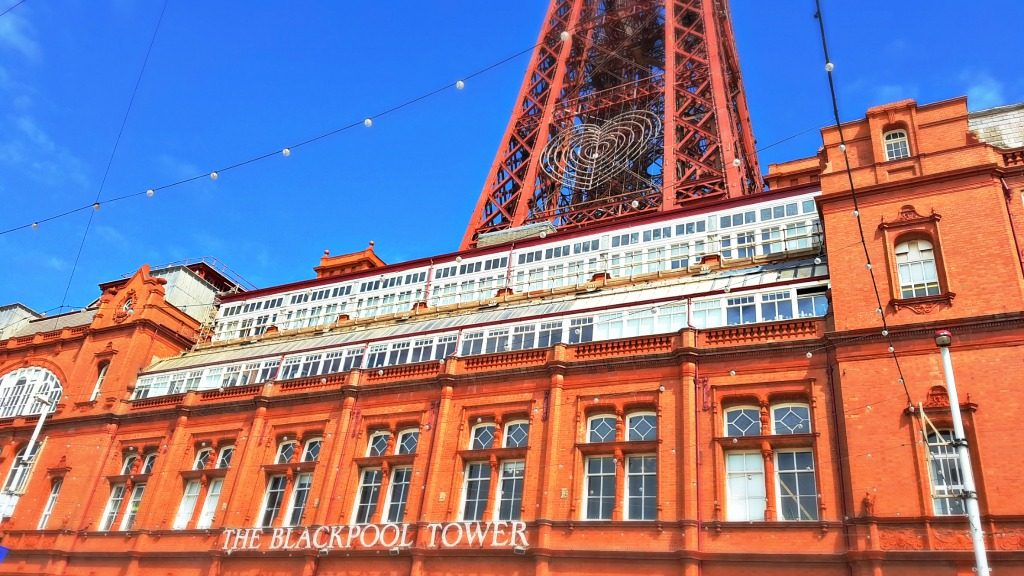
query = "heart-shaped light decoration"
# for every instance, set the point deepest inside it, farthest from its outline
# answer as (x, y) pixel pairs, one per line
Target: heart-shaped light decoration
(584, 156)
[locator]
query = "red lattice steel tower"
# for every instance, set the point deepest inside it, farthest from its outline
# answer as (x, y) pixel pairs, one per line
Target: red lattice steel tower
(627, 107)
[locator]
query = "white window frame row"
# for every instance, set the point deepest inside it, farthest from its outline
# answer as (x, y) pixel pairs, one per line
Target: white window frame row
(560, 263)
(764, 305)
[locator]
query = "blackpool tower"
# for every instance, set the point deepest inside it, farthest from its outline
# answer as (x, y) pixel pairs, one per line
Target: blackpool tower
(627, 107)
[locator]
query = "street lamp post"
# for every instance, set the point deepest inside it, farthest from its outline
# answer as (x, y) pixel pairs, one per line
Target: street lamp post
(970, 494)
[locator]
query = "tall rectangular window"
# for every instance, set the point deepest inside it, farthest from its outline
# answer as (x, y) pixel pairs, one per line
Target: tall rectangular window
(209, 509)
(133, 507)
(299, 496)
(600, 488)
(187, 506)
(369, 491)
(51, 501)
(641, 488)
(478, 485)
(113, 508)
(944, 471)
(510, 495)
(272, 500)
(744, 473)
(796, 489)
(398, 495)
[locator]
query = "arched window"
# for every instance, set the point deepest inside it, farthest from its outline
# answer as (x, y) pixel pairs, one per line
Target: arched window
(642, 426)
(517, 433)
(896, 144)
(377, 445)
(407, 441)
(915, 261)
(743, 421)
(128, 464)
(22, 392)
(601, 428)
(482, 437)
(286, 451)
(101, 374)
(311, 451)
(791, 419)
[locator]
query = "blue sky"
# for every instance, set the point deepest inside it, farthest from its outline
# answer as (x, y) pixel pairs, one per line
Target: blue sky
(230, 80)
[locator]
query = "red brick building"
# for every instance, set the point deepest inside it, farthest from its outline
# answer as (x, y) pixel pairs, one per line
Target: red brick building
(703, 390)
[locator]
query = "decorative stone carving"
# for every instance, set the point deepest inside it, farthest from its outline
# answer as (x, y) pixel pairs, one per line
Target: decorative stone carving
(900, 539)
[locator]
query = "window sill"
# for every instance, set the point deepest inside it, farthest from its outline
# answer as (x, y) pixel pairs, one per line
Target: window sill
(391, 459)
(283, 468)
(924, 304)
(208, 473)
(775, 440)
(625, 447)
(498, 453)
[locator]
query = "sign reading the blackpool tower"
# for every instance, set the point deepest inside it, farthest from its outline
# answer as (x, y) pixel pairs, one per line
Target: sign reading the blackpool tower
(368, 536)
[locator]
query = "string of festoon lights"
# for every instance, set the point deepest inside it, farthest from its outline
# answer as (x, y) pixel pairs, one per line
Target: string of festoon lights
(879, 308)
(285, 151)
(885, 331)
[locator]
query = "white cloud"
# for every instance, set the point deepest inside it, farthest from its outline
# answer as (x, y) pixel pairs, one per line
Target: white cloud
(983, 91)
(17, 34)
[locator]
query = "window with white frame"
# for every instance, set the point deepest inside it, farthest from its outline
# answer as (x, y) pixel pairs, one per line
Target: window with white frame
(517, 433)
(128, 464)
(311, 450)
(915, 261)
(398, 494)
(776, 306)
(944, 473)
(601, 428)
(641, 487)
(209, 509)
(745, 489)
(482, 437)
(300, 494)
(510, 490)
(707, 314)
(369, 491)
(599, 488)
(743, 421)
(51, 501)
(377, 444)
(101, 375)
(286, 452)
(113, 508)
(812, 301)
(794, 481)
(896, 144)
(272, 500)
(475, 489)
(795, 485)
(17, 478)
(791, 419)
(202, 459)
(187, 506)
(148, 462)
(21, 390)
(408, 440)
(132, 507)
(641, 427)
(224, 458)
(740, 310)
